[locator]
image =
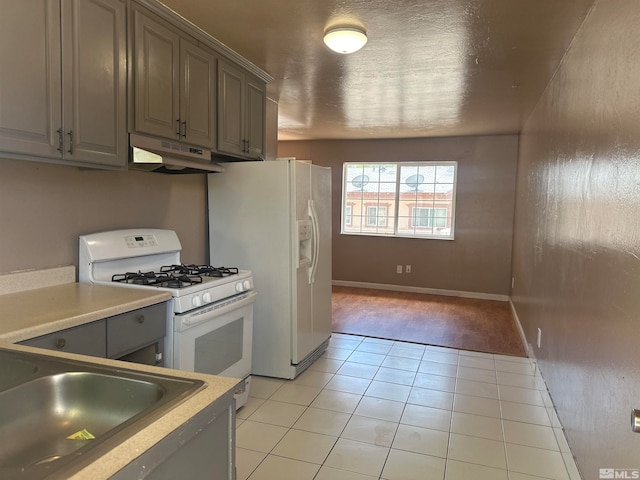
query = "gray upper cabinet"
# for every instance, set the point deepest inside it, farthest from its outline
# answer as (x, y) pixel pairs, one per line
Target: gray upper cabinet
(255, 122)
(64, 97)
(174, 84)
(198, 101)
(241, 112)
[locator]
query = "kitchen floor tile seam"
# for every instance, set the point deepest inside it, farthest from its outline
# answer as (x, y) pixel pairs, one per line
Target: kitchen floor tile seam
(506, 471)
(532, 446)
(450, 432)
(455, 394)
(500, 405)
(297, 380)
(420, 386)
(523, 471)
(467, 355)
(270, 452)
(249, 477)
(506, 443)
(328, 453)
(436, 348)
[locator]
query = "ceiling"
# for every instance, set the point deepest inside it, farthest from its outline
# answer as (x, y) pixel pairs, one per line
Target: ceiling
(430, 67)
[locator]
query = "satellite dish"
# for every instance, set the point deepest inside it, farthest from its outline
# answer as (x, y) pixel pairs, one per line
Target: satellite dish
(360, 181)
(414, 181)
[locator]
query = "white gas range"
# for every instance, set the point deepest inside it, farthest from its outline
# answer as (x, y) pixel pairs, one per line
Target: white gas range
(211, 328)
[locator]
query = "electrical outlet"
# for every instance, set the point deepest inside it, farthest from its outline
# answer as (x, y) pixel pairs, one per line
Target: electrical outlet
(539, 339)
(513, 282)
(407, 268)
(398, 268)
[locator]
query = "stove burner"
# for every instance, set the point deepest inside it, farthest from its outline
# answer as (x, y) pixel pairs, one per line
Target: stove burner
(205, 270)
(158, 279)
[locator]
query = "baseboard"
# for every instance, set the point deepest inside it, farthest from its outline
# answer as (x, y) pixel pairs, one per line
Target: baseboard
(431, 291)
(527, 346)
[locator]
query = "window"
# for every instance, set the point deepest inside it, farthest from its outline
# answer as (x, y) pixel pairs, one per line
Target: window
(376, 216)
(407, 199)
(347, 214)
(429, 217)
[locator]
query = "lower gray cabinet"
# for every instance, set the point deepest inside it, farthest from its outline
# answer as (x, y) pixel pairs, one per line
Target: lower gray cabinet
(203, 448)
(133, 330)
(136, 336)
(89, 339)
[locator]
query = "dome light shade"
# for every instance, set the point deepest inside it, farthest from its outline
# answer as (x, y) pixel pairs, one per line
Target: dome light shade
(345, 39)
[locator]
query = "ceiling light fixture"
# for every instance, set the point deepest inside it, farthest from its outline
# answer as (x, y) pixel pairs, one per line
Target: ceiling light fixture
(345, 39)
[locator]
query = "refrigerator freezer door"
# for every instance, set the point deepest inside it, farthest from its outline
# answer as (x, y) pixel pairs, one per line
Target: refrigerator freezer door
(302, 324)
(321, 288)
(250, 227)
(259, 214)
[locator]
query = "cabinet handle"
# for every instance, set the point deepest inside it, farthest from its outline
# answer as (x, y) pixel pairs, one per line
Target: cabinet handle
(70, 141)
(178, 127)
(245, 147)
(140, 318)
(184, 128)
(60, 342)
(60, 139)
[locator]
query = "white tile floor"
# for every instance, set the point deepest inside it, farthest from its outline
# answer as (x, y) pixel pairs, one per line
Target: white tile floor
(377, 409)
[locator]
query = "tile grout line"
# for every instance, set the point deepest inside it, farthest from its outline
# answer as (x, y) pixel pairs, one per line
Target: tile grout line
(405, 403)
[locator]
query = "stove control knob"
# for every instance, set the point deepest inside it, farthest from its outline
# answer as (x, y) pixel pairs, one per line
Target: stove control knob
(206, 297)
(247, 285)
(196, 301)
(239, 287)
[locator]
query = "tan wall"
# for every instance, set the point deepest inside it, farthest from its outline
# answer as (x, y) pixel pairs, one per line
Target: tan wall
(478, 260)
(577, 237)
(44, 208)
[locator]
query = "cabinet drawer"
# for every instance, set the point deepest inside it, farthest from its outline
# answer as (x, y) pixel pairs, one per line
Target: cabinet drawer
(86, 339)
(132, 330)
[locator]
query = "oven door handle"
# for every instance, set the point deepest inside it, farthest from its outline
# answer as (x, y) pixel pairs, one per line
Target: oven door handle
(203, 314)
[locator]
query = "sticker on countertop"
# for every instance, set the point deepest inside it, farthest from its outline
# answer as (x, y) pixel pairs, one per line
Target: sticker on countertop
(83, 434)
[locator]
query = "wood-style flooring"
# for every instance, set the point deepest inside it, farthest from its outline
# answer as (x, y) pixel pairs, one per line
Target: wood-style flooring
(464, 323)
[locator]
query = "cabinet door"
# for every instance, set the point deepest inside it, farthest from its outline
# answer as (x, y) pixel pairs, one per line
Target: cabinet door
(230, 109)
(197, 105)
(30, 106)
(255, 122)
(89, 339)
(94, 81)
(156, 50)
(132, 330)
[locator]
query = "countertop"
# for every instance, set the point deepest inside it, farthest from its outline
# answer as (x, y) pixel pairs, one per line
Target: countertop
(41, 311)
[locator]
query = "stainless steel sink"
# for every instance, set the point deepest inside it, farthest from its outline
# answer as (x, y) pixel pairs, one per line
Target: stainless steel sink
(58, 415)
(15, 370)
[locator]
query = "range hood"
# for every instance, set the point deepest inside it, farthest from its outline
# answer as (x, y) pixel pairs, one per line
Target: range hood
(164, 156)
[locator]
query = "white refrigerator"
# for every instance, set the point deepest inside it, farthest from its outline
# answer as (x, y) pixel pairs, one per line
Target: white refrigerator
(274, 218)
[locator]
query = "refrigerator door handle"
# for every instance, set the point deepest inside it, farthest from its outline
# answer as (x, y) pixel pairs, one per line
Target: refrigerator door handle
(315, 240)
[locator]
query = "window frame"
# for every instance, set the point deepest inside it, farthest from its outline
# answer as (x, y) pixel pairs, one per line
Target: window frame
(347, 220)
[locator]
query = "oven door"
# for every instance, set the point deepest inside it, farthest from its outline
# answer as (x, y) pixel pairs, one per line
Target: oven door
(216, 338)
